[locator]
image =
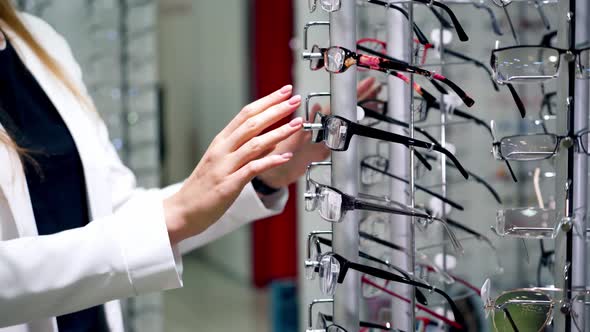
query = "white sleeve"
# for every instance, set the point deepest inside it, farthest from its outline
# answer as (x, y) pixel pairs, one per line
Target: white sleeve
(115, 256)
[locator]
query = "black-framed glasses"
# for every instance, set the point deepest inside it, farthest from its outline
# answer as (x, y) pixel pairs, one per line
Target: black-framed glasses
(332, 204)
(455, 22)
(421, 109)
(338, 59)
(534, 63)
(324, 323)
(374, 167)
(336, 132)
(474, 177)
(332, 269)
(314, 250)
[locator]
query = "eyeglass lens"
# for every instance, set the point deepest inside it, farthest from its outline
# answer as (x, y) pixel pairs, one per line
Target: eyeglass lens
(335, 328)
(526, 316)
(528, 147)
(330, 204)
(334, 59)
(528, 222)
(335, 133)
(526, 64)
(329, 270)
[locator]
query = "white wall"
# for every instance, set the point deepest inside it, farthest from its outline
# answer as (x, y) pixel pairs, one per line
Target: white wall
(203, 57)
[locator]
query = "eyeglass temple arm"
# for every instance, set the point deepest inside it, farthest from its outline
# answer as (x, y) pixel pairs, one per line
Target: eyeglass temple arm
(420, 90)
(378, 116)
(378, 273)
(419, 34)
(419, 187)
(458, 27)
(366, 206)
(476, 177)
(447, 321)
(443, 21)
(382, 242)
(407, 141)
(517, 100)
(475, 62)
(495, 24)
(366, 324)
(512, 174)
(466, 229)
(510, 319)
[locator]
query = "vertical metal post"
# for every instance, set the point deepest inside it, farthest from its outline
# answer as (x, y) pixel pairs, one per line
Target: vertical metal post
(402, 229)
(346, 168)
(580, 185)
(570, 165)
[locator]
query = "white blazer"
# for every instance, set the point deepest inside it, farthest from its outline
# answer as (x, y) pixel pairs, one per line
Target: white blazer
(123, 252)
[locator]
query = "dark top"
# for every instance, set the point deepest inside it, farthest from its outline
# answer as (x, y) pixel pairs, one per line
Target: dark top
(56, 184)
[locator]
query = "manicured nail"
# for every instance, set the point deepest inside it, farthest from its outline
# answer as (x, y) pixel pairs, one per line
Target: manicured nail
(287, 155)
(296, 122)
(295, 100)
(286, 89)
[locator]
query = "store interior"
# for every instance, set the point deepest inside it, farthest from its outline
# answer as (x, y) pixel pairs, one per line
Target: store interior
(167, 75)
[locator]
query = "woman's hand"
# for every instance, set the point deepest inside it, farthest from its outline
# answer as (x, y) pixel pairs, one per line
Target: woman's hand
(236, 155)
(304, 151)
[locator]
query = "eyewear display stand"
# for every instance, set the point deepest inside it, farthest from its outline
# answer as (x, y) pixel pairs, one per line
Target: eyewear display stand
(346, 169)
(571, 165)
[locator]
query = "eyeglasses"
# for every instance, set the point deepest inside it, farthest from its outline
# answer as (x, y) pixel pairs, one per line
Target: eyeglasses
(318, 131)
(530, 309)
(338, 59)
(332, 204)
(373, 168)
(373, 225)
(422, 109)
(336, 132)
(458, 27)
(332, 269)
(518, 64)
(323, 320)
(538, 146)
(366, 281)
(314, 242)
(533, 222)
(530, 223)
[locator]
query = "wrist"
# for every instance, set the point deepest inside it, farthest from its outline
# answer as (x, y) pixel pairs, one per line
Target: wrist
(176, 219)
(263, 188)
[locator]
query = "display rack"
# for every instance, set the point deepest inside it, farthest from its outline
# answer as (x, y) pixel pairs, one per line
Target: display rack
(572, 117)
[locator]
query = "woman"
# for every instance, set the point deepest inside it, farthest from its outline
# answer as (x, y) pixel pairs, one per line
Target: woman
(76, 234)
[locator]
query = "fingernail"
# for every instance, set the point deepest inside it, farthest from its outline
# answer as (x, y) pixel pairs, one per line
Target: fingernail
(286, 89)
(287, 155)
(296, 122)
(295, 100)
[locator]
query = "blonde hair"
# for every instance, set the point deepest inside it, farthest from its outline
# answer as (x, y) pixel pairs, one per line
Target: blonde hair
(10, 17)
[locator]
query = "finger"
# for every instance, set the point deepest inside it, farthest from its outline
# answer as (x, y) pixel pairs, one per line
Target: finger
(257, 107)
(255, 125)
(255, 167)
(255, 147)
(364, 86)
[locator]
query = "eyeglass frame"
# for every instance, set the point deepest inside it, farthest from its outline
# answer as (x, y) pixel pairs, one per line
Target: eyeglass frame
(380, 64)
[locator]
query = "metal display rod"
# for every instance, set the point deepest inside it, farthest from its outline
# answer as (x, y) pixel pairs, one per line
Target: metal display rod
(572, 166)
(400, 97)
(346, 168)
